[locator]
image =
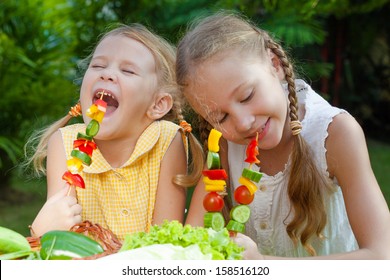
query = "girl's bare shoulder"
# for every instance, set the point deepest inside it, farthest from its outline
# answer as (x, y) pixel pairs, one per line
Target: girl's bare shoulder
(345, 142)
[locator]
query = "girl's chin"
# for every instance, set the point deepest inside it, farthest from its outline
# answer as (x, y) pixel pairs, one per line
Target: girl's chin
(240, 141)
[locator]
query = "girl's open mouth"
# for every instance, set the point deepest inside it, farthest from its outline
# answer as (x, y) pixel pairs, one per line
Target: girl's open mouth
(109, 98)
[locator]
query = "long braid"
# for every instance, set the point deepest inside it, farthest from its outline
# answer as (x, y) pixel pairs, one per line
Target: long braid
(204, 131)
(305, 191)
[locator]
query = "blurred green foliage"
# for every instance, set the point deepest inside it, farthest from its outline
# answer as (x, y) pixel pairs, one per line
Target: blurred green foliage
(42, 41)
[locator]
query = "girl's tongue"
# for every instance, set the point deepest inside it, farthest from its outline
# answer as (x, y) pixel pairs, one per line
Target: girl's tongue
(112, 103)
(110, 109)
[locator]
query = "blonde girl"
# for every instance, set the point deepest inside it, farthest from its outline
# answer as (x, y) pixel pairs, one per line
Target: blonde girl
(318, 195)
(139, 169)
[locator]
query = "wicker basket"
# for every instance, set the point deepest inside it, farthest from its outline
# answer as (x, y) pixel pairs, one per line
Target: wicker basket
(105, 237)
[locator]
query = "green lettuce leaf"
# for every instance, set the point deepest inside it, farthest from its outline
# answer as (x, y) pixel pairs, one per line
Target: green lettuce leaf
(216, 244)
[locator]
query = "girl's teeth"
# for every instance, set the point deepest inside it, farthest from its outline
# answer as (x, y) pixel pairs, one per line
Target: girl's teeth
(105, 94)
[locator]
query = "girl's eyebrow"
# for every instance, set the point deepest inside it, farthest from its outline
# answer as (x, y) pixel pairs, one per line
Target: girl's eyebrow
(215, 113)
(238, 88)
(98, 57)
(212, 115)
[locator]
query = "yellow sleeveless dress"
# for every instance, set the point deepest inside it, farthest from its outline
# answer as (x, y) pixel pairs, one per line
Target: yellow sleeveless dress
(122, 199)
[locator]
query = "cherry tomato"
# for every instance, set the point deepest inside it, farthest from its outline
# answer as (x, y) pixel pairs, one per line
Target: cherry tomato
(213, 202)
(243, 196)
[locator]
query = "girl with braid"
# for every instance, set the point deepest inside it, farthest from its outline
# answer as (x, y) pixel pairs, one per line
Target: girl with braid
(318, 196)
(139, 169)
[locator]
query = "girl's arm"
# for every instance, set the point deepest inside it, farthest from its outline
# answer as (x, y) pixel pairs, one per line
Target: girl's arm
(196, 211)
(348, 161)
(171, 198)
(368, 213)
(56, 164)
(60, 211)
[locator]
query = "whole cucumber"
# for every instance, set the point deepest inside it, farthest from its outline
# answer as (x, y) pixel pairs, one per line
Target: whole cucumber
(12, 241)
(65, 245)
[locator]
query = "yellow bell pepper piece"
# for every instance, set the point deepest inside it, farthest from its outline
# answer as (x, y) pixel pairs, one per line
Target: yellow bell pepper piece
(251, 186)
(214, 188)
(75, 165)
(99, 116)
(94, 113)
(92, 110)
(213, 140)
(208, 181)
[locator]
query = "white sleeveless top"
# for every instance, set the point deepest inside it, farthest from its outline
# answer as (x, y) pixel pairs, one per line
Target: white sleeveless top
(270, 207)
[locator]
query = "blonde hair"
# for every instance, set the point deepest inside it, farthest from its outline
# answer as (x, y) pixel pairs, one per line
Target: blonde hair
(222, 32)
(165, 55)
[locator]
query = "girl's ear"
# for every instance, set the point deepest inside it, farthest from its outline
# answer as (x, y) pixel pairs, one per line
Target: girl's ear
(162, 104)
(277, 65)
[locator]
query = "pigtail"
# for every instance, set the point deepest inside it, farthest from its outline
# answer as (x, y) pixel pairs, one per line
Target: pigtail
(195, 167)
(196, 155)
(306, 184)
(39, 151)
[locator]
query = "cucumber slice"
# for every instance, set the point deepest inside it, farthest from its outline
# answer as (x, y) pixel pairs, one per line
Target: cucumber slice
(240, 213)
(83, 136)
(214, 220)
(86, 159)
(235, 226)
(92, 128)
(252, 175)
(213, 161)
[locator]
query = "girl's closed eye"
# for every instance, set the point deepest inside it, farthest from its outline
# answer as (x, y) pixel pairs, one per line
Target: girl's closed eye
(222, 119)
(129, 71)
(248, 98)
(97, 66)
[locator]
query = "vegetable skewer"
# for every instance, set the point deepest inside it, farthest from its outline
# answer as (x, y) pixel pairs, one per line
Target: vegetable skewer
(84, 145)
(214, 179)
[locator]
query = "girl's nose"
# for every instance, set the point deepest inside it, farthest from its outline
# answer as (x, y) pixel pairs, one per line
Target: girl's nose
(244, 122)
(108, 75)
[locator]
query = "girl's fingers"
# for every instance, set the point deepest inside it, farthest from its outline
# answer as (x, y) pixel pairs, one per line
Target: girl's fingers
(77, 219)
(60, 194)
(76, 209)
(70, 200)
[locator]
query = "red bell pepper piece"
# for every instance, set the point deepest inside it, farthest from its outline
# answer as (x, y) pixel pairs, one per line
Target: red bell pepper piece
(85, 146)
(252, 151)
(101, 105)
(215, 174)
(74, 180)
